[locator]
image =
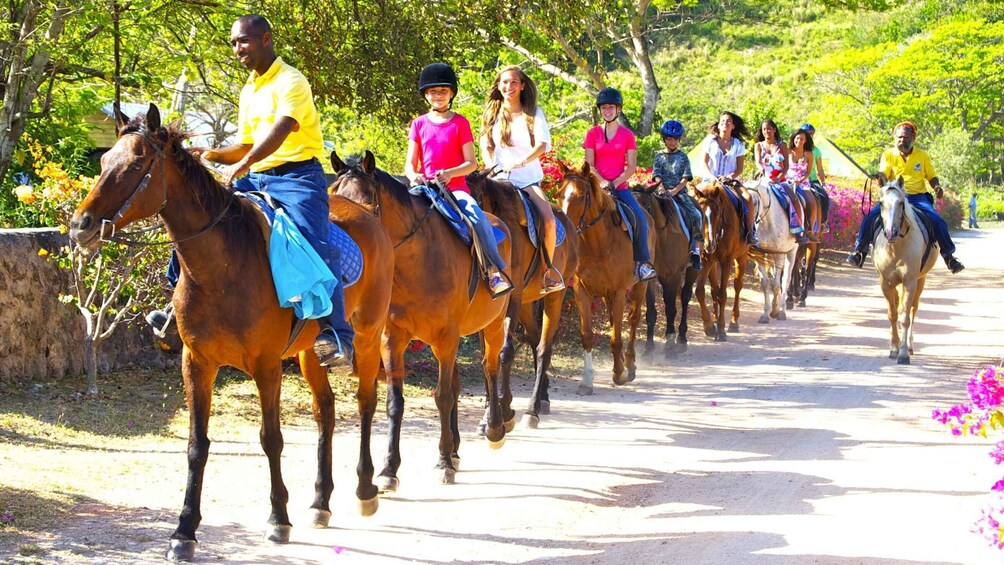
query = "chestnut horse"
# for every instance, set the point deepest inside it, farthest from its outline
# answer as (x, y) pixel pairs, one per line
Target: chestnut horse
(226, 307)
(501, 198)
(672, 261)
(431, 302)
(725, 252)
(606, 269)
(902, 259)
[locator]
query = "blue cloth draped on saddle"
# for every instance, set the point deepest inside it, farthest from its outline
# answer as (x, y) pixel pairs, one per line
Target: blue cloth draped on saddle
(531, 221)
(451, 216)
(302, 280)
(627, 216)
(680, 217)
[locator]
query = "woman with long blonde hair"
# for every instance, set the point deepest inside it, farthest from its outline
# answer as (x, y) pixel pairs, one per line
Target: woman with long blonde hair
(514, 134)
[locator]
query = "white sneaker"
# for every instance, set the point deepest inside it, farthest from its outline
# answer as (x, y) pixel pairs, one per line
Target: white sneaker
(497, 285)
(644, 272)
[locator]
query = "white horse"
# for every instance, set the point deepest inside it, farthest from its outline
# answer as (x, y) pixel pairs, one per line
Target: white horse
(775, 258)
(902, 265)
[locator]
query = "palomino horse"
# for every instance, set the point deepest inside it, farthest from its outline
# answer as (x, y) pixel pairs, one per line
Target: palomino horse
(606, 269)
(672, 261)
(775, 257)
(902, 260)
(501, 198)
(432, 301)
(803, 278)
(725, 251)
(226, 306)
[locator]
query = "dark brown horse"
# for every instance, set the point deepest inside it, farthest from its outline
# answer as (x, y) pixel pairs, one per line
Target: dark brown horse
(606, 269)
(502, 199)
(226, 307)
(672, 261)
(431, 302)
(725, 253)
(803, 278)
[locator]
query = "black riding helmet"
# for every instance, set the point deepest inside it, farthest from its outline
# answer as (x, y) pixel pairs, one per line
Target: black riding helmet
(609, 95)
(437, 74)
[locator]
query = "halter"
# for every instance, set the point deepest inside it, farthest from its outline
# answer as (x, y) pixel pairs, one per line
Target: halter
(903, 228)
(582, 227)
(143, 183)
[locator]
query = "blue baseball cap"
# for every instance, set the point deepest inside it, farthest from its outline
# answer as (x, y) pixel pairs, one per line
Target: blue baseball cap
(807, 126)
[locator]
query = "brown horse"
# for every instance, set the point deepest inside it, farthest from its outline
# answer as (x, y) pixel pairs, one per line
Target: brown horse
(431, 302)
(672, 261)
(606, 269)
(725, 251)
(803, 277)
(226, 307)
(501, 198)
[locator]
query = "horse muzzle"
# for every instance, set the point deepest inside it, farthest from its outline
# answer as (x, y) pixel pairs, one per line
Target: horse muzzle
(891, 234)
(85, 231)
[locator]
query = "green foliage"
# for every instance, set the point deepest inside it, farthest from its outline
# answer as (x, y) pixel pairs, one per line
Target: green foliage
(956, 159)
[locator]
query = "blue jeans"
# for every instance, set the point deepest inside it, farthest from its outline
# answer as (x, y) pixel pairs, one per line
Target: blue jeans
(303, 194)
(641, 236)
(923, 203)
(484, 229)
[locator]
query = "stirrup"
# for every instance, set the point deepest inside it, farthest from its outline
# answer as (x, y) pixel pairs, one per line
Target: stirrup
(552, 281)
(643, 271)
(330, 350)
(954, 264)
(856, 259)
(497, 285)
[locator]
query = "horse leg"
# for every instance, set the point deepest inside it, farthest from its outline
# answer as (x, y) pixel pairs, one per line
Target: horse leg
(685, 295)
(507, 355)
(268, 378)
(793, 286)
(811, 262)
(765, 285)
(615, 307)
(669, 294)
(445, 350)
(737, 286)
(701, 291)
(455, 417)
(651, 316)
(368, 370)
(634, 318)
(892, 303)
(906, 315)
(501, 417)
(324, 416)
(198, 377)
(584, 301)
(913, 313)
(539, 403)
(392, 352)
(788, 267)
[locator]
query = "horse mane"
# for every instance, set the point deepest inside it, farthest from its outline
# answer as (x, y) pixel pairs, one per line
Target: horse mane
(505, 202)
(240, 222)
(729, 215)
(397, 190)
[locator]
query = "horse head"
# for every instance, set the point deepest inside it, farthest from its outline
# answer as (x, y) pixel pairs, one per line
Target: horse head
(711, 197)
(583, 201)
(133, 184)
(892, 201)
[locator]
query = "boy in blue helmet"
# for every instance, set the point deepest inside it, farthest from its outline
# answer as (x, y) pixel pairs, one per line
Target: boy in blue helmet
(672, 170)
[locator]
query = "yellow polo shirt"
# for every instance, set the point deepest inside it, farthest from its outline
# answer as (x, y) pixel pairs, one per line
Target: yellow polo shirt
(916, 169)
(281, 91)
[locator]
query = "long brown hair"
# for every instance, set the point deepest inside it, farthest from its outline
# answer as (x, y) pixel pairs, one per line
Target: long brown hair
(495, 109)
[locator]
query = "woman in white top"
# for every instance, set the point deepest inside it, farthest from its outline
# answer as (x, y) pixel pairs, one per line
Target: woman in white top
(514, 134)
(725, 155)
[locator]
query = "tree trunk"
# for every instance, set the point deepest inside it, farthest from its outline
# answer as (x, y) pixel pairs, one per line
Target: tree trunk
(91, 353)
(638, 51)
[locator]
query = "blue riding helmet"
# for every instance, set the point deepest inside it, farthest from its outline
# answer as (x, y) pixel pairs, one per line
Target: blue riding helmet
(609, 95)
(672, 128)
(807, 127)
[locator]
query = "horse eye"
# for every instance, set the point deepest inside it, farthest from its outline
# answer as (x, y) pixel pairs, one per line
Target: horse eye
(136, 166)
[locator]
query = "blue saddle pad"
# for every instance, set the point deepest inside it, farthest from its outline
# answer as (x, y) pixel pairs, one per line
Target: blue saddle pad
(531, 226)
(451, 216)
(351, 257)
(781, 195)
(627, 216)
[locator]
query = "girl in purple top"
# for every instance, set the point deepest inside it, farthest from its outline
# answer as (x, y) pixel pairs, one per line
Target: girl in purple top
(612, 154)
(441, 149)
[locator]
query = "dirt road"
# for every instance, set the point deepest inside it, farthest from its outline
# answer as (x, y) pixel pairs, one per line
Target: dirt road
(794, 442)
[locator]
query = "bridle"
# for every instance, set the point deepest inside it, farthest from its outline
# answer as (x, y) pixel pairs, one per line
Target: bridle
(583, 226)
(161, 156)
(377, 207)
(903, 228)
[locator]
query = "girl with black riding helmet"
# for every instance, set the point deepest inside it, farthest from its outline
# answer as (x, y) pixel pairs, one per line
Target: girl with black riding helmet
(514, 134)
(725, 156)
(672, 171)
(441, 149)
(612, 153)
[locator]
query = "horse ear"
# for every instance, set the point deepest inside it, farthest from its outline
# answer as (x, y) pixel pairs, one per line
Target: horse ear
(368, 163)
(121, 120)
(562, 167)
(336, 163)
(153, 118)
(899, 181)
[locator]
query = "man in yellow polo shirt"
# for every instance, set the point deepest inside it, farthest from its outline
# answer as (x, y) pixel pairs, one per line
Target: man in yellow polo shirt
(914, 165)
(278, 152)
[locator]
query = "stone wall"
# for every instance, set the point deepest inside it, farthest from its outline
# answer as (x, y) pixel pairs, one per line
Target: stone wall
(41, 337)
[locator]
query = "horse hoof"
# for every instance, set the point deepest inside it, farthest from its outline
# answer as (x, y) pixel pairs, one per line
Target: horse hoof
(496, 444)
(801, 304)
(530, 421)
(545, 406)
(278, 533)
(733, 328)
(764, 319)
(722, 337)
(620, 380)
(455, 459)
(670, 352)
(386, 484)
(909, 350)
(367, 508)
(322, 518)
(632, 374)
(181, 550)
(790, 304)
(584, 390)
(905, 360)
(510, 424)
(893, 354)
(681, 347)
(782, 316)
(711, 331)
(449, 477)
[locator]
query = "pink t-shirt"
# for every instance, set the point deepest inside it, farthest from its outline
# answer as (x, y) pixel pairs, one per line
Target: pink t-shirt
(441, 146)
(610, 156)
